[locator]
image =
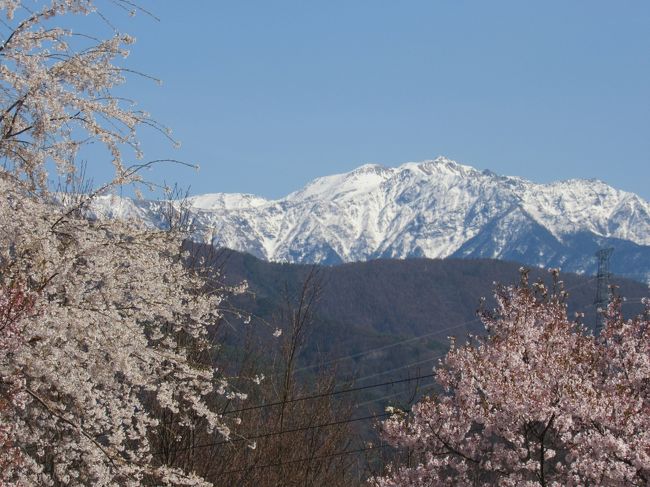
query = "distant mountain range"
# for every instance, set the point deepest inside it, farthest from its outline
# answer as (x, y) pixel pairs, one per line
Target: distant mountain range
(434, 209)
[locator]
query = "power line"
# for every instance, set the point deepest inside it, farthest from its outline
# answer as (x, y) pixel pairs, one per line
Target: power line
(326, 394)
(305, 428)
(307, 459)
(444, 354)
(388, 396)
(414, 338)
(576, 286)
(279, 433)
(342, 391)
(298, 429)
(385, 347)
(401, 367)
(359, 388)
(340, 422)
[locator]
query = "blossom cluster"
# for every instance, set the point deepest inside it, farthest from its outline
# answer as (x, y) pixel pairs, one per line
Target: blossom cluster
(94, 315)
(56, 91)
(539, 401)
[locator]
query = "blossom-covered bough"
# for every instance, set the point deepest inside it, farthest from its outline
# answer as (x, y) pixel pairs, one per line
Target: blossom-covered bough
(539, 401)
(95, 315)
(57, 90)
(107, 303)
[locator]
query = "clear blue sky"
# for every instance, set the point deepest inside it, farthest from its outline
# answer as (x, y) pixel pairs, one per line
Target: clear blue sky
(266, 95)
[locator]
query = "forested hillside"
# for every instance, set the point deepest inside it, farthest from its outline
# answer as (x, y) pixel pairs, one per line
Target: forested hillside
(393, 317)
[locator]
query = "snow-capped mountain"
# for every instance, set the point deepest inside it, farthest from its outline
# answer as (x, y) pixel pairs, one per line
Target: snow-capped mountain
(436, 208)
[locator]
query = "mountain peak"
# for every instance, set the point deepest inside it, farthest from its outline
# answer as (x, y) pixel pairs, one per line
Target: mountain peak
(440, 165)
(435, 208)
(442, 161)
(370, 168)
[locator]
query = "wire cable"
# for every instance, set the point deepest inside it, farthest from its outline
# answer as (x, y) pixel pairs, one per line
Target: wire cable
(385, 347)
(279, 433)
(388, 396)
(401, 367)
(307, 459)
(327, 394)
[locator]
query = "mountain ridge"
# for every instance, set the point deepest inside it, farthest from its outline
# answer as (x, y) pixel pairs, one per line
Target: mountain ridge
(436, 208)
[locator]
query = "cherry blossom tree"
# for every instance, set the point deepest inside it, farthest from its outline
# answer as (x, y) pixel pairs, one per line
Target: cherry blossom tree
(57, 90)
(95, 315)
(110, 303)
(538, 401)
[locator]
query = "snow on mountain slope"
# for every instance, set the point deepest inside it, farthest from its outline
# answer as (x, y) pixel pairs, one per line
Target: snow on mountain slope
(434, 208)
(228, 201)
(589, 205)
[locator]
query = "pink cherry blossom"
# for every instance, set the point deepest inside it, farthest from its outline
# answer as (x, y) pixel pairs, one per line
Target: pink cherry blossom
(538, 401)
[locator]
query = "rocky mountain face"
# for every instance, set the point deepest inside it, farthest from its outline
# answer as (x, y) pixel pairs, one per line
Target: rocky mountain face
(434, 209)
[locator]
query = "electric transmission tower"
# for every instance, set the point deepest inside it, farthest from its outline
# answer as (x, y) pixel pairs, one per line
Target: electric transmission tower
(602, 285)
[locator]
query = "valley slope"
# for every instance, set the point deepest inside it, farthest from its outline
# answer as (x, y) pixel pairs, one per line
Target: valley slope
(389, 318)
